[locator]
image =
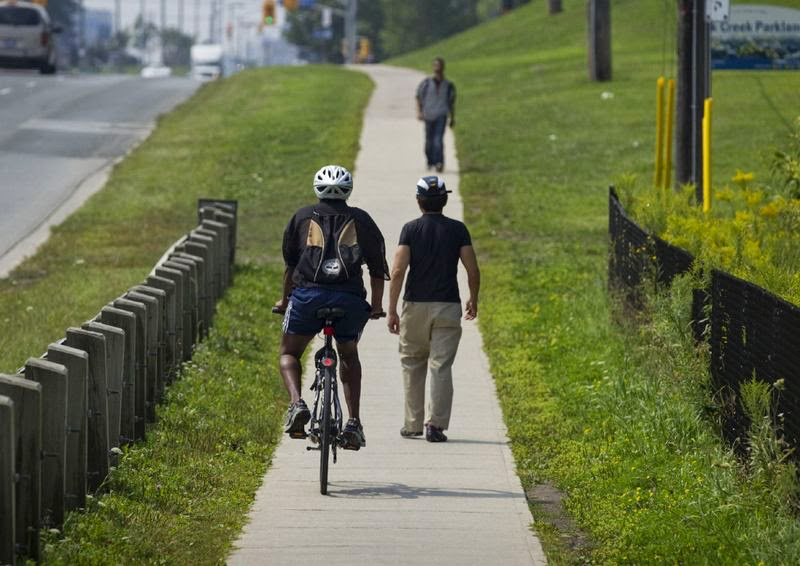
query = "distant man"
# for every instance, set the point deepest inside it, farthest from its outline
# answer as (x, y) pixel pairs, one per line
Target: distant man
(430, 325)
(436, 99)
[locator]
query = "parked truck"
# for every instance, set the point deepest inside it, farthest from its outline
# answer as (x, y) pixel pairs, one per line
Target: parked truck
(207, 63)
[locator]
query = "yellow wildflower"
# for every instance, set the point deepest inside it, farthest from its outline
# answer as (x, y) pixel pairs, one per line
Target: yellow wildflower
(741, 178)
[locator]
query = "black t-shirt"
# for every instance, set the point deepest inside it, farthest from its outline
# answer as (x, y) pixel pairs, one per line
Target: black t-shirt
(370, 240)
(435, 243)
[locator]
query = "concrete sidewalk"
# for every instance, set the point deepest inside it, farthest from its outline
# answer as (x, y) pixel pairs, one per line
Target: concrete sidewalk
(399, 501)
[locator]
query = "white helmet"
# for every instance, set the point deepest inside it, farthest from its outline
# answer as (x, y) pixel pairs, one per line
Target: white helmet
(333, 182)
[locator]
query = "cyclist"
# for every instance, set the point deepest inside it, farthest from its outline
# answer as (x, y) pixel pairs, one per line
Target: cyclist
(324, 246)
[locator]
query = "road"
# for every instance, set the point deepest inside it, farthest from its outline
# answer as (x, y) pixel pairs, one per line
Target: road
(57, 132)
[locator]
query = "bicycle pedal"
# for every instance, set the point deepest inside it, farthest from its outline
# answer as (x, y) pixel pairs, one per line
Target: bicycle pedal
(298, 435)
(312, 448)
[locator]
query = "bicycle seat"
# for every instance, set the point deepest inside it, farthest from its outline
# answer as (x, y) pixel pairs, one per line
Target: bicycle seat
(330, 313)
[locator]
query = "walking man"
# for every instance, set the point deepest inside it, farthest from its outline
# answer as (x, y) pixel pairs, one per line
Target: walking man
(436, 98)
(430, 325)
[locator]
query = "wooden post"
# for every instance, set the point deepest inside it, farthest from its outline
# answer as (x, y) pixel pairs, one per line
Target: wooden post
(151, 307)
(8, 512)
(140, 380)
(599, 16)
(221, 231)
(555, 6)
(173, 272)
(115, 368)
(228, 212)
(205, 298)
(193, 289)
(27, 398)
(77, 364)
(174, 322)
(125, 321)
(53, 379)
(211, 241)
(164, 368)
(94, 344)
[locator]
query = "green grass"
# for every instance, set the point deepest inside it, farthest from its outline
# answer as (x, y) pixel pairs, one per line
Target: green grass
(617, 417)
(181, 496)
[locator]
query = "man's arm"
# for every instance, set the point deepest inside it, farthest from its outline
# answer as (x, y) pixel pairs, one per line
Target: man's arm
(402, 258)
(470, 262)
(283, 302)
(451, 103)
(419, 94)
(376, 295)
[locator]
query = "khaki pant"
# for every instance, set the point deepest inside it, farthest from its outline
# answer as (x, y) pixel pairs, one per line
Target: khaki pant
(429, 336)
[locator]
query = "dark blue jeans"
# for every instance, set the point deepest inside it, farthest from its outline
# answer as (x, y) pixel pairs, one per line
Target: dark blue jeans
(434, 140)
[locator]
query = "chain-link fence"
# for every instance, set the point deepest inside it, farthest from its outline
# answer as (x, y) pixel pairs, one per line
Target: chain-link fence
(751, 332)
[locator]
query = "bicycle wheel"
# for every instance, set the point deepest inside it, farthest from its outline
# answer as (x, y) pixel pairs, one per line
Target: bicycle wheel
(325, 441)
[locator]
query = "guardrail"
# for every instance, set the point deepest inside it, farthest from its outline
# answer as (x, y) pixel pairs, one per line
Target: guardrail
(65, 415)
(751, 332)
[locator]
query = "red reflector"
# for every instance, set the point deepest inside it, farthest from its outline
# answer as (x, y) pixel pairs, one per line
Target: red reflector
(327, 362)
(328, 331)
(45, 39)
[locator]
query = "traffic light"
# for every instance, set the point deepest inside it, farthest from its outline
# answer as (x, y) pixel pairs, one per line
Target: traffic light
(268, 13)
(291, 4)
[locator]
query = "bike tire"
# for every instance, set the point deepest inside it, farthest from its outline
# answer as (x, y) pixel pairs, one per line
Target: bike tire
(325, 441)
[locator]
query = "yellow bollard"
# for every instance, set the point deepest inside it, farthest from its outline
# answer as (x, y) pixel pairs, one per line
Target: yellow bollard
(659, 130)
(667, 173)
(707, 155)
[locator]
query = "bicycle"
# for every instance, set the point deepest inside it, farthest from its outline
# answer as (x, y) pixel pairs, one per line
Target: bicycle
(325, 427)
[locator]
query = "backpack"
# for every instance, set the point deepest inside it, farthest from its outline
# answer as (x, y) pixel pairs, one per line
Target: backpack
(332, 254)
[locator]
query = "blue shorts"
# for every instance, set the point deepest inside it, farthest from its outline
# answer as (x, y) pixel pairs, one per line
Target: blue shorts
(300, 317)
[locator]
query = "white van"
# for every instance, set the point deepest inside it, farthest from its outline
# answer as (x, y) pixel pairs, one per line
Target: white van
(26, 36)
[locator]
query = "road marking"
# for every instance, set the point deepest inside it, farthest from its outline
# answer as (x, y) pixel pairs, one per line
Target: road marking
(85, 127)
(30, 84)
(5, 91)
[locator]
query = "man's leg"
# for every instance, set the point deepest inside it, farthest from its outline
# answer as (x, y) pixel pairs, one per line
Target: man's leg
(440, 124)
(350, 375)
(430, 136)
(445, 336)
(292, 348)
(414, 348)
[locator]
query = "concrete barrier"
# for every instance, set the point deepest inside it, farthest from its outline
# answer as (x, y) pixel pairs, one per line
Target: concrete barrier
(98, 446)
(125, 321)
(77, 364)
(8, 550)
(53, 379)
(115, 368)
(27, 398)
(151, 385)
(139, 311)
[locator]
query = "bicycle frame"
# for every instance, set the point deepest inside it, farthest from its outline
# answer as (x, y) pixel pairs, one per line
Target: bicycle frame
(326, 359)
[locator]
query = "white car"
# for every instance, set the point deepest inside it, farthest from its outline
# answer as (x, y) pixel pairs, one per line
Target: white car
(26, 36)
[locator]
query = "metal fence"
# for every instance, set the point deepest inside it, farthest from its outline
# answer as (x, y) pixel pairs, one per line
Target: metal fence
(65, 415)
(751, 332)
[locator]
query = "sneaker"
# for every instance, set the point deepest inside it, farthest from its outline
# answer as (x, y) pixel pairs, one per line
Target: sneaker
(439, 167)
(353, 435)
(434, 434)
(296, 418)
(405, 433)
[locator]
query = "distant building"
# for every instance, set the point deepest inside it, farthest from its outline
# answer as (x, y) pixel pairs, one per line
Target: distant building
(99, 26)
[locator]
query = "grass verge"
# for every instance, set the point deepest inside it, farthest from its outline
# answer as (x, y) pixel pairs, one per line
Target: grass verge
(615, 417)
(181, 496)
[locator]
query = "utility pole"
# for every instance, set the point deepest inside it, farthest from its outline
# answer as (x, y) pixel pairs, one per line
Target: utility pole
(694, 86)
(117, 16)
(163, 15)
(142, 8)
(351, 13)
(599, 16)
(555, 6)
(197, 20)
(180, 15)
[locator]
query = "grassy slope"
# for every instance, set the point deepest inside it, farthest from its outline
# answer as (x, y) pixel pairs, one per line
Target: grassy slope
(258, 137)
(614, 418)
